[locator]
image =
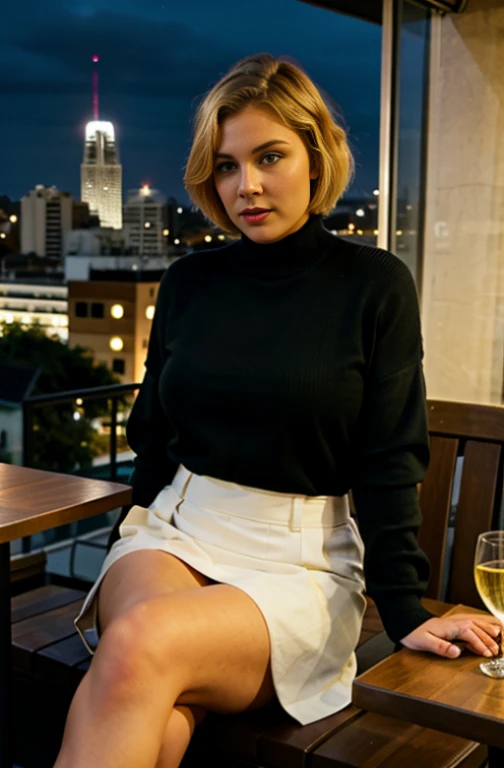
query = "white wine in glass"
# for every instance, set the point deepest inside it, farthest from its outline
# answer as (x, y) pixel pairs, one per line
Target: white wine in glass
(489, 578)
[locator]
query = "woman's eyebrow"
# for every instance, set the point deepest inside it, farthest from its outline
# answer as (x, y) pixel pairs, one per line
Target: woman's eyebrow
(257, 149)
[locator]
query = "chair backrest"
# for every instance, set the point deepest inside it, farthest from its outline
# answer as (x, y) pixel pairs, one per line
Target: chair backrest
(475, 432)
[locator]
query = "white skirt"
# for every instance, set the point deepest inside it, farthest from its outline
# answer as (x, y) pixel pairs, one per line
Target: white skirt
(300, 558)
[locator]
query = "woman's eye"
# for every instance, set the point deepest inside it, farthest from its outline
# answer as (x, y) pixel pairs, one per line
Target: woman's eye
(271, 154)
(221, 166)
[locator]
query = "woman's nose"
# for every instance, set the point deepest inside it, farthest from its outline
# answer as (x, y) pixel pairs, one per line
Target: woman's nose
(249, 181)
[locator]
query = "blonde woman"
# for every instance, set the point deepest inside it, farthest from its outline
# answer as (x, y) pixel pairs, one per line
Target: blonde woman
(283, 370)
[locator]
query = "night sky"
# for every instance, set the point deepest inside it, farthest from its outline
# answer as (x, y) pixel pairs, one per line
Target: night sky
(157, 59)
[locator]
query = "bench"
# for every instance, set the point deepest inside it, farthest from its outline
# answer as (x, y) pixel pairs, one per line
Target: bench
(49, 659)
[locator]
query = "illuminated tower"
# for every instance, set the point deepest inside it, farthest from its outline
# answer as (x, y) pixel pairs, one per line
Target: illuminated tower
(101, 172)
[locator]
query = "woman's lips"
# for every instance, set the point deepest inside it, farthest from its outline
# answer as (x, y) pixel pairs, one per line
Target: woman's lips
(255, 218)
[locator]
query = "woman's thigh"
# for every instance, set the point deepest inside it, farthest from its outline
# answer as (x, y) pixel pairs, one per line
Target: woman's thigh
(141, 575)
(216, 638)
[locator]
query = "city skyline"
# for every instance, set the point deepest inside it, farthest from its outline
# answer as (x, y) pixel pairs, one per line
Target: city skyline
(156, 63)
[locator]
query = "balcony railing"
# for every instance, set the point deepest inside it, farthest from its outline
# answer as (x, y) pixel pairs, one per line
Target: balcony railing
(114, 395)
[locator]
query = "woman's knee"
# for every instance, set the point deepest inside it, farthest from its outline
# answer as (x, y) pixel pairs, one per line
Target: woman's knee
(138, 646)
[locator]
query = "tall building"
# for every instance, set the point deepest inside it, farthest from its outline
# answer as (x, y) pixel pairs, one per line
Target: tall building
(101, 174)
(145, 221)
(46, 214)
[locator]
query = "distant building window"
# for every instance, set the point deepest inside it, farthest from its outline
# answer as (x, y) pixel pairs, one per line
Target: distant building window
(81, 309)
(118, 365)
(97, 309)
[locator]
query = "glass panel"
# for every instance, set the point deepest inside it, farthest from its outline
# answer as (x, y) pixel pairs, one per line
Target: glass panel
(408, 205)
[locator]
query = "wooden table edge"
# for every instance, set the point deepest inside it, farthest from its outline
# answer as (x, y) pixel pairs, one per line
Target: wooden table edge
(43, 521)
(374, 699)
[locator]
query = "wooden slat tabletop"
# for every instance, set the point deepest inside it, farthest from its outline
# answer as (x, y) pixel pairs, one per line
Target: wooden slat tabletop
(33, 500)
(450, 695)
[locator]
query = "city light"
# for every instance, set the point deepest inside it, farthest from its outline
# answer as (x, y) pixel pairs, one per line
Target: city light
(166, 232)
(208, 238)
(116, 343)
(3, 235)
(117, 311)
(145, 190)
(376, 232)
(221, 237)
(360, 232)
(149, 312)
(79, 401)
(360, 212)
(147, 224)
(376, 192)
(13, 218)
(179, 210)
(351, 227)
(399, 232)
(76, 416)
(177, 241)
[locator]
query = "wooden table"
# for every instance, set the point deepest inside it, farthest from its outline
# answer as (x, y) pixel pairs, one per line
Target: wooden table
(450, 695)
(31, 501)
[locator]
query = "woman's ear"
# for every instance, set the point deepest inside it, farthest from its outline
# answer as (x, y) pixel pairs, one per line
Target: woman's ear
(314, 168)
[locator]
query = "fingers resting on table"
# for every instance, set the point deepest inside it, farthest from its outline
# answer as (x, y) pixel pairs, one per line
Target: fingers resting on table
(479, 634)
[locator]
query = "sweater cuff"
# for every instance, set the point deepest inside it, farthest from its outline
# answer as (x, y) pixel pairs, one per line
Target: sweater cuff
(400, 617)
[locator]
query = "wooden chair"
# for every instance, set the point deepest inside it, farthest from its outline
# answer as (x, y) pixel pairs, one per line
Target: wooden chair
(50, 659)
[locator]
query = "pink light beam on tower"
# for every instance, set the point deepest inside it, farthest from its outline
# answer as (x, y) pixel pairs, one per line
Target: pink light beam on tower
(96, 59)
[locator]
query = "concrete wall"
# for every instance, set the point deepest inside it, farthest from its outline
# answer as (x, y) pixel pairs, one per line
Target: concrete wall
(463, 281)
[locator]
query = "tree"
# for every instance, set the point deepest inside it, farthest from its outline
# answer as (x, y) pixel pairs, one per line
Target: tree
(60, 441)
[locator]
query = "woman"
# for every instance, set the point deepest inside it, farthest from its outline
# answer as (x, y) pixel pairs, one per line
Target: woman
(283, 370)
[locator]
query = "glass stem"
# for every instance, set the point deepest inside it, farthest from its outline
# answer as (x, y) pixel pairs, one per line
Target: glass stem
(498, 640)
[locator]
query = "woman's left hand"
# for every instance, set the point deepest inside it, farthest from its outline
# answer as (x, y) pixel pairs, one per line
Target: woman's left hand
(477, 632)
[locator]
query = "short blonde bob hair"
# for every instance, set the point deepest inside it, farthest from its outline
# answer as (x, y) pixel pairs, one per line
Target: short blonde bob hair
(283, 89)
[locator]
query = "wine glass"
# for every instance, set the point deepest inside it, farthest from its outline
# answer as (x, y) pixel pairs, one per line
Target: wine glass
(489, 578)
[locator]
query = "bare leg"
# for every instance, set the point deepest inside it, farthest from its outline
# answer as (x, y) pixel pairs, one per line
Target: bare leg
(178, 734)
(130, 581)
(115, 726)
(121, 710)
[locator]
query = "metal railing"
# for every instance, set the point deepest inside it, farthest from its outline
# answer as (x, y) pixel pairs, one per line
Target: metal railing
(113, 394)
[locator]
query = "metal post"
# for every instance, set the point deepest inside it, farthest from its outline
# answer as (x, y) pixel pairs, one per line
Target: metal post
(6, 756)
(390, 62)
(27, 456)
(113, 440)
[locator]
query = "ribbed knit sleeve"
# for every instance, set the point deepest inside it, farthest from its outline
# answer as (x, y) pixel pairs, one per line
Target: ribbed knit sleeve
(393, 456)
(148, 430)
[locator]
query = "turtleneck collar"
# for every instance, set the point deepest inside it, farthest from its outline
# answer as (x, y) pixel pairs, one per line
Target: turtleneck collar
(290, 255)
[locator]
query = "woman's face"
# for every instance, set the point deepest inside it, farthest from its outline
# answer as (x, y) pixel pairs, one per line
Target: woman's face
(276, 177)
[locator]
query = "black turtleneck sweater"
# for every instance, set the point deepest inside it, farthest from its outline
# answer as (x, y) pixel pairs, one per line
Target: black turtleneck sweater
(296, 367)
